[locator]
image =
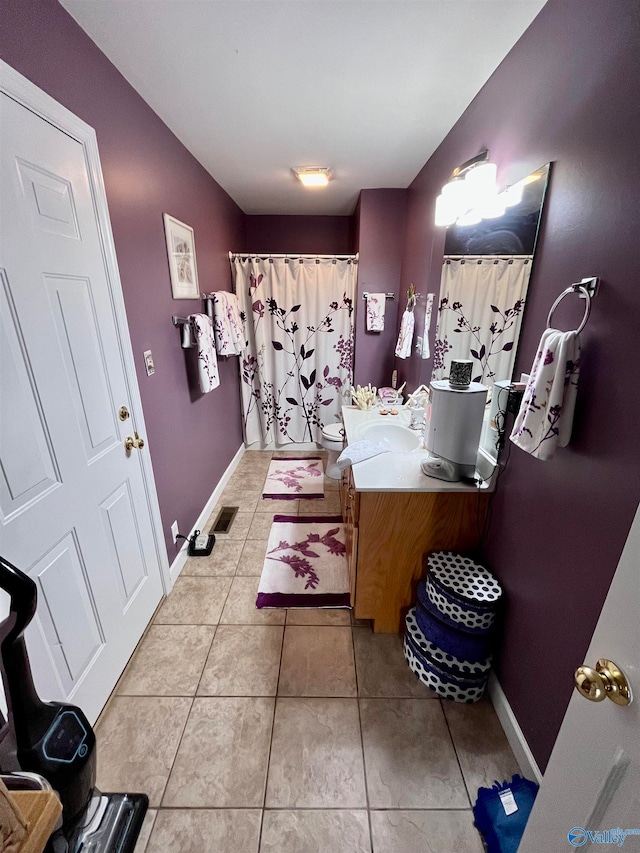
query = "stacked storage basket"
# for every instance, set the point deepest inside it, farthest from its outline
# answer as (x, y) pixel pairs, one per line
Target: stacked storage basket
(449, 633)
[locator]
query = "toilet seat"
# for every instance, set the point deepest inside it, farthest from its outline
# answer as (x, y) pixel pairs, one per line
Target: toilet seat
(333, 432)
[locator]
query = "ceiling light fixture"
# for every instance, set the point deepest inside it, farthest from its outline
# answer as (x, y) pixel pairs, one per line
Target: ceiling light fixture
(313, 176)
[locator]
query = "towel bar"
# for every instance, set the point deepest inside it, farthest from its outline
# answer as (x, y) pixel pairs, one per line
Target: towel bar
(586, 288)
(365, 295)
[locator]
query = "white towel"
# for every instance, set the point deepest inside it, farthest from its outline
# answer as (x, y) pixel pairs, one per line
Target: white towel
(376, 304)
(227, 323)
(207, 360)
(546, 413)
(405, 338)
(426, 352)
(358, 452)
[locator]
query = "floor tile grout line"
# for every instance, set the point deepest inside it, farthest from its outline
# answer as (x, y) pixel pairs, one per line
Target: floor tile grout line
(305, 808)
(455, 750)
(173, 760)
(273, 726)
(206, 660)
(364, 758)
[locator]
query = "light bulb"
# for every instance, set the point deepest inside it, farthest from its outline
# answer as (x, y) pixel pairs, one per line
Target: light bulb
(445, 211)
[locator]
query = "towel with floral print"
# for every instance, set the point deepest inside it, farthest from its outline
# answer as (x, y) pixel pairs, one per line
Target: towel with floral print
(305, 564)
(376, 304)
(290, 478)
(227, 324)
(207, 359)
(545, 417)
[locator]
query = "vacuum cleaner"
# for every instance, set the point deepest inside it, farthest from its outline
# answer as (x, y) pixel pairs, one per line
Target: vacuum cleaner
(56, 741)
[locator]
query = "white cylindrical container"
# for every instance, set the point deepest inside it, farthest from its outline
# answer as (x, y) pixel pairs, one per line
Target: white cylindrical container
(455, 422)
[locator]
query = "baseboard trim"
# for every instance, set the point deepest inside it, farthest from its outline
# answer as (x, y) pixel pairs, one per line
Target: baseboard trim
(178, 564)
(512, 730)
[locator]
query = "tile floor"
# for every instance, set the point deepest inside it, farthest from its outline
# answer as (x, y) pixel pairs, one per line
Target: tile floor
(290, 731)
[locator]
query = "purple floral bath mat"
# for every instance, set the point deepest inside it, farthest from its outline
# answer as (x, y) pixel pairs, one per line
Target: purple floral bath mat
(296, 477)
(305, 564)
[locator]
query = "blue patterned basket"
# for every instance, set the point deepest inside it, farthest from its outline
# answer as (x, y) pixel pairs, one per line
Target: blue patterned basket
(441, 660)
(443, 683)
(452, 639)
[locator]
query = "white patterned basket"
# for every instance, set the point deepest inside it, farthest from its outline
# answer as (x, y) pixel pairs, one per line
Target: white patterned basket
(462, 590)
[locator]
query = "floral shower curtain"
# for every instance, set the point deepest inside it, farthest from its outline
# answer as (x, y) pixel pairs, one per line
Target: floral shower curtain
(298, 321)
(479, 317)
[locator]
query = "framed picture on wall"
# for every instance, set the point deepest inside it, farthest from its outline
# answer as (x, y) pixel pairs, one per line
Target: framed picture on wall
(181, 250)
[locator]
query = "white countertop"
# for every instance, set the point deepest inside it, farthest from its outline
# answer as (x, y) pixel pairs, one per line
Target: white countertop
(394, 471)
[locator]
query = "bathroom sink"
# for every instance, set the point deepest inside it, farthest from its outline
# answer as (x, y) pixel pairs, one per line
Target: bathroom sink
(394, 437)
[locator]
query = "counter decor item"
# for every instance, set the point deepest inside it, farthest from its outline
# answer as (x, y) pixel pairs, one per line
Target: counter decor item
(460, 372)
(364, 398)
(450, 632)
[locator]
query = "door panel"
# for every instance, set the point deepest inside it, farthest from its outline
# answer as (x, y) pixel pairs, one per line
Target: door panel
(124, 536)
(49, 200)
(24, 476)
(69, 489)
(79, 340)
(66, 610)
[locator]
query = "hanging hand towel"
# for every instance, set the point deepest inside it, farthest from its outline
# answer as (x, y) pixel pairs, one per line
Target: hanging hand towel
(405, 338)
(376, 304)
(427, 325)
(227, 324)
(546, 412)
(207, 360)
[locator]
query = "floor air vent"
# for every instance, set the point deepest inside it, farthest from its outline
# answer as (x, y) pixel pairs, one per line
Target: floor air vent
(224, 519)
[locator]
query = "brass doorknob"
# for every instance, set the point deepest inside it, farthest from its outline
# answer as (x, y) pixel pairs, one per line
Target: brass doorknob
(130, 443)
(605, 681)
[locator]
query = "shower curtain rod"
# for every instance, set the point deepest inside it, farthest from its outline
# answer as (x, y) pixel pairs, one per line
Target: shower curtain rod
(264, 256)
(485, 257)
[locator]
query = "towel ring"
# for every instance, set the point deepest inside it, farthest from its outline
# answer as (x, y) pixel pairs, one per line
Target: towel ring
(575, 288)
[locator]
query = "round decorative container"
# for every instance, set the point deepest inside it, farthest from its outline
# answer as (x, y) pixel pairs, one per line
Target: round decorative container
(437, 657)
(462, 590)
(460, 372)
(444, 684)
(465, 644)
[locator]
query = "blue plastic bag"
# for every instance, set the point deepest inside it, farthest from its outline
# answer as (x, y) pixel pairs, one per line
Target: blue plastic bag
(501, 813)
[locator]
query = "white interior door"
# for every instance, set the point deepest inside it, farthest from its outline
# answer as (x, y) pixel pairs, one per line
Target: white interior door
(592, 783)
(74, 511)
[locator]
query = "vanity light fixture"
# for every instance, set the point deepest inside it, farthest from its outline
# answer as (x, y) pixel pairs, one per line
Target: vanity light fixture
(470, 190)
(471, 193)
(313, 176)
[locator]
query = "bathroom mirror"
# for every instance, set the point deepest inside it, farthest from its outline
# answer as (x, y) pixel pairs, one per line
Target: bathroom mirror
(483, 291)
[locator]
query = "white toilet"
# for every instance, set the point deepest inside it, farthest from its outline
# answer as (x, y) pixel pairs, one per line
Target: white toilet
(332, 438)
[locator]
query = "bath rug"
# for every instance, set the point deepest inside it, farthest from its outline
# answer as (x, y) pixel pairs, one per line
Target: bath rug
(290, 478)
(305, 564)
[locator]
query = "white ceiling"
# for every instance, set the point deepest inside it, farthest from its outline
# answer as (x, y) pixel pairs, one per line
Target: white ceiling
(254, 87)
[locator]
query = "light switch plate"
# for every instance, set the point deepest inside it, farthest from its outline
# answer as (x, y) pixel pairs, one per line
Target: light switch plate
(148, 363)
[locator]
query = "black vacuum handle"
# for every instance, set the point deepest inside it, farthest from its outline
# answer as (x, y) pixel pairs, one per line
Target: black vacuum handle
(24, 598)
(25, 706)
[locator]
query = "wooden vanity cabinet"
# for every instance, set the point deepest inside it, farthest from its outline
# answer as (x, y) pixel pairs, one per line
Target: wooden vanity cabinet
(387, 534)
(349, 504)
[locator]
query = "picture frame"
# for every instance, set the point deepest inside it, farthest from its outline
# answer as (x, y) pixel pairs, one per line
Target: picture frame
(181, 252)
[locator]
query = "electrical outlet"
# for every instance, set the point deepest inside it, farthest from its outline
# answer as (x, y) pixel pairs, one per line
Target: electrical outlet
(174, 531)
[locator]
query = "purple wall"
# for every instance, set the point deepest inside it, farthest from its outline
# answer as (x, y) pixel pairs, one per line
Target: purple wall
(380, 222)
(312, 235)
(567, 93)
(192, 437)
